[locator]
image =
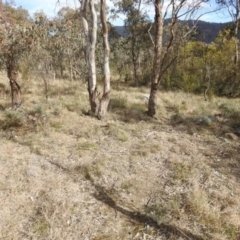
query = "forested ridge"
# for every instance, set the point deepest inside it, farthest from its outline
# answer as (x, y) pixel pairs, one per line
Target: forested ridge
(206, 32)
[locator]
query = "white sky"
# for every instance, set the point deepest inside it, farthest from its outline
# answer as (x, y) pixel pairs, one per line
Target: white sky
(51, 7)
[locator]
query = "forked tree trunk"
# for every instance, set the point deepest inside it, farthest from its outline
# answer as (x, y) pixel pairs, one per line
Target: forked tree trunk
(157, 58)
(106, 88)
(91, 43)
(15, 87)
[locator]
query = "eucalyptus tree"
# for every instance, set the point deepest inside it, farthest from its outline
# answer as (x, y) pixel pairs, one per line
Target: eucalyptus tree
(174, 10)
(59, 45)
(66, 30)
(98, 106)
(157, 57)
(233, 7)
(16, 37)
(90, 40)
(106, 88)
(224, 68)
(136, 24)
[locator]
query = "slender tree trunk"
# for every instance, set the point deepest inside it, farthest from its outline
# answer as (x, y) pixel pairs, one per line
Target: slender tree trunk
(134, 60)
(207, 78)
(15, 87)
(136, 79)
(92, 85)
(236, 58)
(61, 71)
(91, 43)
(157, 58)
(106, 88)
(236, 30)
(45, 81)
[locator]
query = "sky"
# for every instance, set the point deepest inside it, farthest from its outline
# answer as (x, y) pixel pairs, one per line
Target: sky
(51, 7)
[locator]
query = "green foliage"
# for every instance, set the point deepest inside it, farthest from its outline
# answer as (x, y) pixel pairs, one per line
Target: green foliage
(36, 110)
(203, 66)
(135, 45)
(16, 35)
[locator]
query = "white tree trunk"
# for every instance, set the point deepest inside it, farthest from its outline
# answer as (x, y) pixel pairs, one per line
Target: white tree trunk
(90, 39)
(106, 88)
(93, 40)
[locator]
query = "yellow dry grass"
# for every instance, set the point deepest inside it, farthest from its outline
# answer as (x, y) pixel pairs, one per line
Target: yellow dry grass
(67, 175)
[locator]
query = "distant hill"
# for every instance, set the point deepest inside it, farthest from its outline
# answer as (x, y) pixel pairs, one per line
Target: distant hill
(121, 30)
(206, 31)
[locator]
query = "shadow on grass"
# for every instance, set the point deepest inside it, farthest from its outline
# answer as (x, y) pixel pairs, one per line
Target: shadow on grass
(218, 120)
(167, 230)
(128, 112)
(133, 115)
(197, 125)
(229, 161)
(226, 128)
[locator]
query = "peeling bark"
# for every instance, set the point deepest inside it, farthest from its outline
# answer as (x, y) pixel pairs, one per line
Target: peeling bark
(104, 105)
(106, 88)
(90, 53)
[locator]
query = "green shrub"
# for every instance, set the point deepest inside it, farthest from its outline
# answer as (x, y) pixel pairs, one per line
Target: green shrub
(36, 110)
(12, 119)
(230, 110)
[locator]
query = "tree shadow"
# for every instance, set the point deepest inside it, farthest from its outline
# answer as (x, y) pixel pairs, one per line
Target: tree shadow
(167, 230)
(229, 161)
(219, 121)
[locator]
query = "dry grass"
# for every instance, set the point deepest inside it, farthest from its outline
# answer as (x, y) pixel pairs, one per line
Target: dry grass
(66, 175)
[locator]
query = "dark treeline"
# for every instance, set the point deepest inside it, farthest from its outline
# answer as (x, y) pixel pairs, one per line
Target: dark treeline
(205, 32)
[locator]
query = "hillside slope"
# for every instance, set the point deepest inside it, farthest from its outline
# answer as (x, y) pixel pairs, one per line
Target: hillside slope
(67, 175)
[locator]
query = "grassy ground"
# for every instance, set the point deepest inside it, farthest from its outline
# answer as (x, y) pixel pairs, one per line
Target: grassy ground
(67, 175)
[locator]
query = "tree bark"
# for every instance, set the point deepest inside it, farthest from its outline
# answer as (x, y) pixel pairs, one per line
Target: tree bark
(91, 43)
(236, 57)
(107, 75)
(134, 60)
(157, 58)
(207, 78)
(15, 87)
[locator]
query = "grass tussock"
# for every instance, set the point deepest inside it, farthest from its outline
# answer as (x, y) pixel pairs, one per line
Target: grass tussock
(172, 177)
(118, 103)
(12, 119)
